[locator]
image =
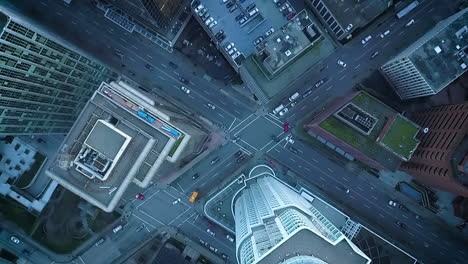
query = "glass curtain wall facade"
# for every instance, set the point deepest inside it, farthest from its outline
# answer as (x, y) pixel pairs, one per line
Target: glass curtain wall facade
(43, 84)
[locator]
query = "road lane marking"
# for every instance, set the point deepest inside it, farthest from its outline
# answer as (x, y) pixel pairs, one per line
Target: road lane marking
(232, 124)
(162, 78)
(357, 66)
(434, 235)
(182, 189)
(392, 24)
(151, 217)
(135, 47)
(330, 170)
(404, 216)
(249, 144)
(360, 188)
(386, 44)
(173, 220)
(293, 160)
(381, 215)
(132, 59)
(352, 197)
(246, 125)
(74, 23)
(44, 4)
(81, 13)
(60, 14)
(326, 90)
(420, 226)
(342, 77)
(176, 73)
(307, 169)
(375, 198)
(220, 115)
(411, 234)
(401, 32)
(344, 178)
(323, 179)
(237, 111)
(149, 56)
(366, 205)
(315, 98)
(163, 65)
(316, 161)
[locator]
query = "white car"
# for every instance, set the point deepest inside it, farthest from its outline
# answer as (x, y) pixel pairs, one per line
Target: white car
(411, 22)
(349, 27)
(284, 111)
(209, 20)
(185, 89)
(229, 46)
(392, 203)
(210, 232)
(231, 51)
(366, 39)
(341, 63)
(176, 201)
(198, 8)
(230, 238)
(211, 106)
(235, 55)
(384, 34)
(214, 23)
(14, 240)
(269, 32)
(213, 249)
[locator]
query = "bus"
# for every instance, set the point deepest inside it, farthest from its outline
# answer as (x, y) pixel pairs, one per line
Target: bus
(193, 197)
(407, 9)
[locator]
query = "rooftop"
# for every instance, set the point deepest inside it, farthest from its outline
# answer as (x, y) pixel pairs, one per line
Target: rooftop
(440, 55)
(339, 14)
(111, 140)
(286, 44)
(399, 132)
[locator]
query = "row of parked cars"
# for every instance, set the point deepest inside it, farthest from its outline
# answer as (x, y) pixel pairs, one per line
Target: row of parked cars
(204, 15)
(285, 8)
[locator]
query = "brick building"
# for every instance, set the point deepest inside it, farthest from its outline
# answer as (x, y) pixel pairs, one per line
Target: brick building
(440, 160)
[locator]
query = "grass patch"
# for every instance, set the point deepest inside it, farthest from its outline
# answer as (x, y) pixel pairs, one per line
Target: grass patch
(176, 145)
(16, 213)
(26, 178)
(400, 137)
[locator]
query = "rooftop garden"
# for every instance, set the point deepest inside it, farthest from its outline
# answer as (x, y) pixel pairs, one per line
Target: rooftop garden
(400, 137)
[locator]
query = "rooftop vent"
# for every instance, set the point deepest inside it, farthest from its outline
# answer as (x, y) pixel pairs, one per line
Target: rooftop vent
(288, 53)
(463, 66)
(437, 49)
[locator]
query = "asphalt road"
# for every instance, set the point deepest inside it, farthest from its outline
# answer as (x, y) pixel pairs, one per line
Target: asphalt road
(85, 26)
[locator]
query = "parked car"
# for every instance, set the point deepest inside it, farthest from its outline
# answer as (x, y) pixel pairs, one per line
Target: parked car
(291, 15)
(139, 196)
(198, 8)
(375, 54)
(286, 5)
(233, 8)
(214, 23)
(269, 32)
(213, 249)
(319, 83)
(238, 17)
(392, 203)
(99, 242)
(183, 80)
(195, 176)
(185, 89)
(231, 51)
(229, 46)
(212, 107)
(293, 150)
(284, 111)
(214, 161)
(148, 66)
(366, 39)
(349, 27)
(286, 127)
(173, 65)
(258, 40)
(209, 20)
(203, 242)
(209, 231)
(243, 20)
(240, 159)
(238, 153)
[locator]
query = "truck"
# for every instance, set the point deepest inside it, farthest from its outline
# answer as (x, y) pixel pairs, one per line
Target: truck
(278, 109)
(193, 197)
(407, 9)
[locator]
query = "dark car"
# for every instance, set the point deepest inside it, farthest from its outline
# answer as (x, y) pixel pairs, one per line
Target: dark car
(319, 83)
(374, 54)
(240, 159)
(214, 161)
(286, 127)
(400, 224)
(238, 153)
(293, 150)
(229, 4)
(173, 65)
(238, 17)
(274, 138)
(182, 79)
(233, 8)
(196, 175)
(149, 67)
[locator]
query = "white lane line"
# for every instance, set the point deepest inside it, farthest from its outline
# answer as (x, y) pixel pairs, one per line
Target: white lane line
(220, 115)
(366, 205)
(163, 65)
(135, 47)
(404, 216)
(205, 91)
(392, 24)
(236, 111)
(293, 160)
(315, 98)
(44, 4)
(177, 73)
(81, 13)
(434, 235)
(60, 14)
(149, 56)
(182, 189)
(132, 59)
(74, 23)
(307, 169)
(249, 145)
(322, 178)
(329, 88)
(411, 234)
(173, 220)
(381, 215)
(191, 96)
(246, 125)
(344, 178)
(233, 121)
(304, 106)
(274, 147)
(342, 77)
(162, 78)
(360, 188)
(386, 44)
(330, 170)
(357, 66)
(401, 33)
(375, 198)
(420, 226)
(227, 165)
(143, 212)
(316, 161)
(352, 197)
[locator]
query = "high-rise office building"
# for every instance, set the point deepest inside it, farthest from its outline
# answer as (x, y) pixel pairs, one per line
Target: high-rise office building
(44, 82)
(431, 63)
(442, 156)
(274, 224)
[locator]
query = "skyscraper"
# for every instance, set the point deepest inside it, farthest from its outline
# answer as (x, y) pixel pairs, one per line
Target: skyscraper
(440, 159)
(432, 62)
(44, 82)
(274, 224)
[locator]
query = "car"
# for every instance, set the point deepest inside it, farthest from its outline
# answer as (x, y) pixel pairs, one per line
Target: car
(251, 6)
(100, 241)
(139, 196)
(198, 8)
(319, 83)
(291, 15)
(366, 39)
(118, 54)
(214, 23)
(286, 127)
(258, 40)
(286, 5)
(228, 46)
(185, 89)
(195, 3)
(243, 20)
(176, 201)
(231, 51)
(230, 238)
(269, 32)
(385, 34)
(400, 224)
(240, 159)
(183, 80)
(233, 8)
(374, 55)
(279, 3)
(214, 161)
(209, 231)
(411, 22)
(148, 66)
(349, 27)
(238, 17)
(224, 256)
(117, 228)
(106, 92)
(203, 242)
(341, 63)
(195, 176)
(238, 153)
(213, 249)
(284, 111)
(209, 20)
(150, 119)
(307, 93)
(14, 240)
(293, 150)
(235, 139)
(211, 106)
(203, 13)
(204, 16)
(290, 139)
(229, 4)
(392, 203)
(173, 65)
(235, 55)
(253, 12)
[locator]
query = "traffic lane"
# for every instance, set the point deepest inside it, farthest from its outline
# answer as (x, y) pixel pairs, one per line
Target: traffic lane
(207, 171)
(375, 202)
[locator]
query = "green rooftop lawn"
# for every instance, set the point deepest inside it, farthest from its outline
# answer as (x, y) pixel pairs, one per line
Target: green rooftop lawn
(345, 132)
(400, 137)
